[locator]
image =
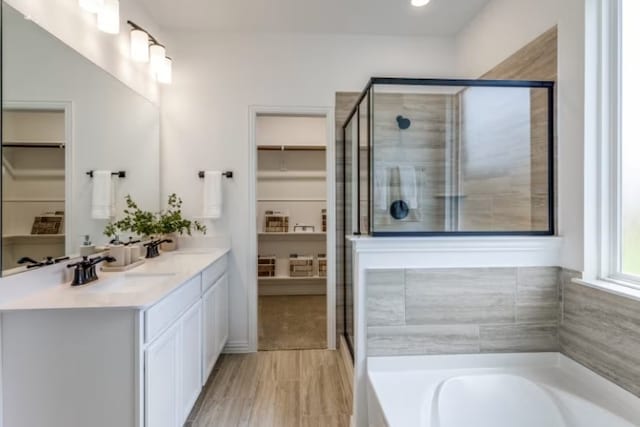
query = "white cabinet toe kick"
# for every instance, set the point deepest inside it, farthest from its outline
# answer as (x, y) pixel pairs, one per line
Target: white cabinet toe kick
(115, 366)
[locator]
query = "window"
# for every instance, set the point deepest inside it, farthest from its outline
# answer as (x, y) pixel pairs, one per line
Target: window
(627, 262)
(614, 106)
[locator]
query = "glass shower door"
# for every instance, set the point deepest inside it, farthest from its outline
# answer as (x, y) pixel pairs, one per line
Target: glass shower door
(350, 221)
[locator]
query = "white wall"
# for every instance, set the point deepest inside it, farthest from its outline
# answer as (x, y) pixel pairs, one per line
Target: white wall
(500, 30)
(284, 130)
(205, 112)
(65, 20)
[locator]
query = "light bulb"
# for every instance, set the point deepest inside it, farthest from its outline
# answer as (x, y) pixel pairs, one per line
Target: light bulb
(139, 45)
(109, 17)
(419, 3)
(165, 73)
(91, 6)
(158, 54)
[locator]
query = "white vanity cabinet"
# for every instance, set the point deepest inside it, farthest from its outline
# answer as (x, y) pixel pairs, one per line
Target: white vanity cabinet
(172, 371)
(191, 360)
(215, 303)
(162, 380)
(106, 366)
(175, 358)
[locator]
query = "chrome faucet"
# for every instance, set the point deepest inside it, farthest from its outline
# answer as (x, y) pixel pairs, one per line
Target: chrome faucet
(85, 270)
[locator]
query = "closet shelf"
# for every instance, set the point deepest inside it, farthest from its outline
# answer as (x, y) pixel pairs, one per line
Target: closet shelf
(32, 238)
(293, 236)
(34, 200)
(291, 148)
(292, 200)
(287, 279)
(284, 175)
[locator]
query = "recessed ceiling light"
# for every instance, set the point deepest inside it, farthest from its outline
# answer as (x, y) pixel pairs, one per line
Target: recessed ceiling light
(419, 3)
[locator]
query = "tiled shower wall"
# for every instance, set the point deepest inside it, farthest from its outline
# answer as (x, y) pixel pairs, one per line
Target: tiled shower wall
(469, 310)
(538, 60)
(535, 61)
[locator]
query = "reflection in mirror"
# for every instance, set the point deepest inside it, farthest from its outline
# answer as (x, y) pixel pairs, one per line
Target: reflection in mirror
(62, 117)
(33, 178)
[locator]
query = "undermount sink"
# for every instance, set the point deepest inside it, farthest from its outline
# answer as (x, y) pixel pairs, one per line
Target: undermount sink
(129, 282)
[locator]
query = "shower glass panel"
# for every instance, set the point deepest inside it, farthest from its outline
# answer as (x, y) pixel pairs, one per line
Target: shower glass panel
(447, 157)
(363, 164)
(350, 222)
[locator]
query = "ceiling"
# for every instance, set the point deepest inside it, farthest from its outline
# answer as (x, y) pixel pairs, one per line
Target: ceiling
(380, 17)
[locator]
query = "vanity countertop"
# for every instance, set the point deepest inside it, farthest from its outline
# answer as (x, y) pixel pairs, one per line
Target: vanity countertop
(138, 288)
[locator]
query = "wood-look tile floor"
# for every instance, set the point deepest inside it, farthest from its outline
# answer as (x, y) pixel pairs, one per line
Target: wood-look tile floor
(302, 388)
(292, 322)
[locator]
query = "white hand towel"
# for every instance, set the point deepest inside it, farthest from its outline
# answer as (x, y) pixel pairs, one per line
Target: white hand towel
(381, 187)
(212, 195)
(103, 200)
(408, 186)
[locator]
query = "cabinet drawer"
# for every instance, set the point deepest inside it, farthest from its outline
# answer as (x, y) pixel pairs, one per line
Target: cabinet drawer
(167, 311)
(212, 273)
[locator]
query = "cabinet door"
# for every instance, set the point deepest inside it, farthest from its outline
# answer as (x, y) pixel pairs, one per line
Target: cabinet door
(191, 359)
(222, 314)
(162, 362)
(209, 325)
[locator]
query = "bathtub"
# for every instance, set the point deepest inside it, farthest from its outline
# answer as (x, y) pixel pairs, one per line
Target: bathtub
(494, 390)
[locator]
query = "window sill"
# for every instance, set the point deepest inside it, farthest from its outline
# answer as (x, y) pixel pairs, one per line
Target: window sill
(613, 287)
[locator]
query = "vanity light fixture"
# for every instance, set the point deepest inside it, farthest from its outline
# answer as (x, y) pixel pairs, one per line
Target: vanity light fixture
(165, 73)
(158, 54)
(146, 48)
(109, 17)
(91, 6)
(419, 3)
(139, 45)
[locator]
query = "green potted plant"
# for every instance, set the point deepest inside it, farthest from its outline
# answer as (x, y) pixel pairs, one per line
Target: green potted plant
(111, 231)
(171, 223)
(137, 221)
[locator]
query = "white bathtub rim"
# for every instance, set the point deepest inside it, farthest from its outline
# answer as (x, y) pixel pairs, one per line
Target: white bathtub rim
(604, 393)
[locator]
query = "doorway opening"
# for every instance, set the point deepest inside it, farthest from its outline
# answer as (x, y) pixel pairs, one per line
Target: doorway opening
(295, 288)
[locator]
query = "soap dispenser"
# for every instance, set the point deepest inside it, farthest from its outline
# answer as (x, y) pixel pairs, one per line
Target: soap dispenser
(117, 251)
(87, 248)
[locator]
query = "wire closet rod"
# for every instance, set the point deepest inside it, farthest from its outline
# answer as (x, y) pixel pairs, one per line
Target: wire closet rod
(227, 174)
(34, 145)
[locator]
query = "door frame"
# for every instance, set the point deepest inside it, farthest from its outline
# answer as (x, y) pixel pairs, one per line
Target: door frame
(252, 292)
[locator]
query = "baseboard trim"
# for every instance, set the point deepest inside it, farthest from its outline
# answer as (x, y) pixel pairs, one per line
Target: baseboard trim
(236, 347)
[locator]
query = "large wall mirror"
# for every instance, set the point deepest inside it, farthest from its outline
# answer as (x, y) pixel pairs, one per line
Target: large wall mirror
(62, 117)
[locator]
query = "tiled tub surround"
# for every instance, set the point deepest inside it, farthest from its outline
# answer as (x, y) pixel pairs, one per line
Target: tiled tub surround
(490, 310)
(601, 331)
(462, 310)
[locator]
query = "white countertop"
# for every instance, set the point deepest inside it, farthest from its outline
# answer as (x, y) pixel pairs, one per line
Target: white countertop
(137, 288)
